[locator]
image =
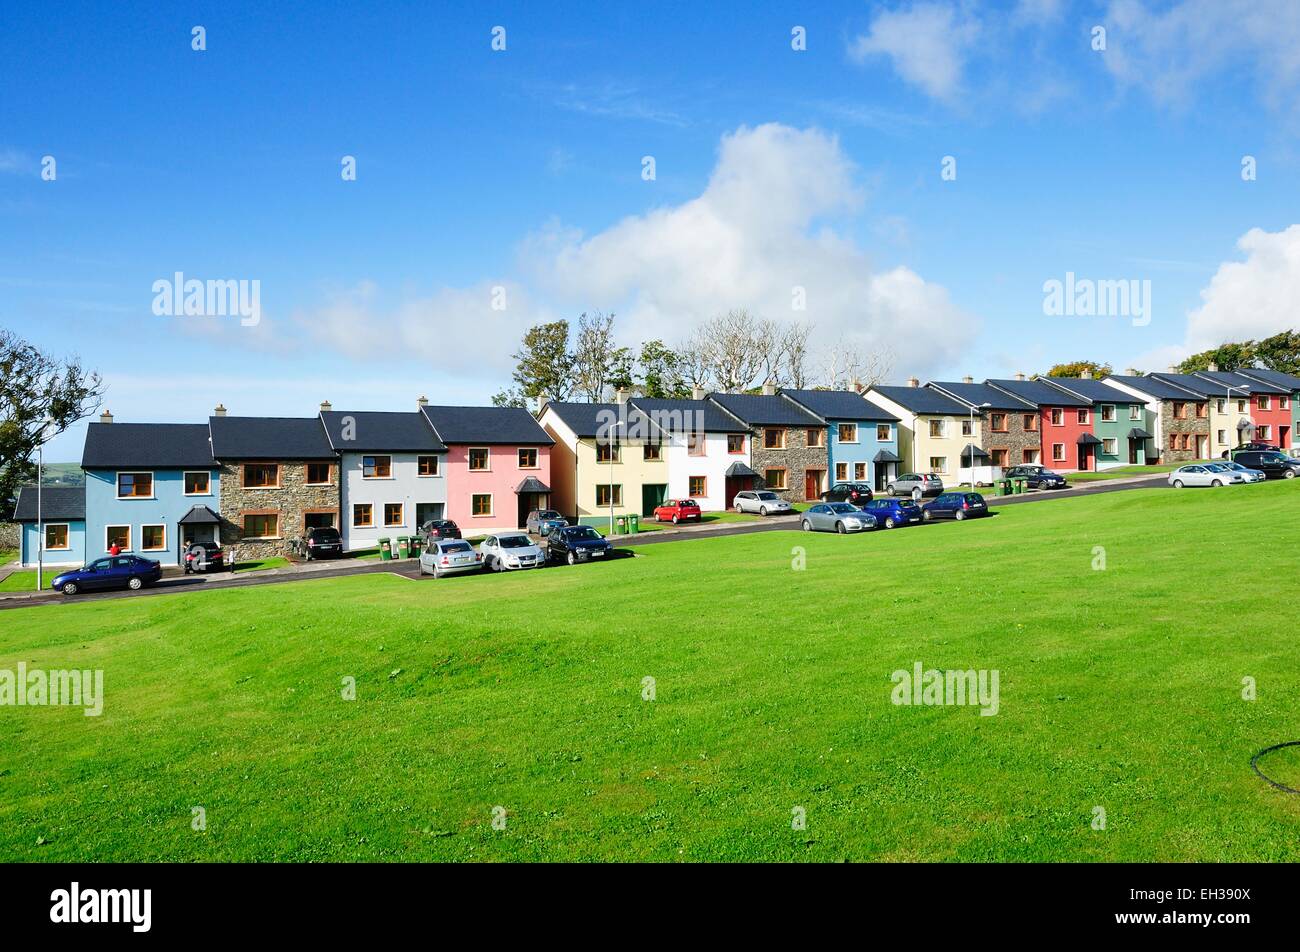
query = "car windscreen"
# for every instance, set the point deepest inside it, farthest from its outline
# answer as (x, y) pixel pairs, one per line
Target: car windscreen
(548, 514)
(686, 502)
(842, 507)
(326, 535)
(578, 533)
(457, 546)
(768, 496)
(515, 542)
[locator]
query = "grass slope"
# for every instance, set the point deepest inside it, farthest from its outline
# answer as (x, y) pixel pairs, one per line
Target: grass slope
(1120, 688)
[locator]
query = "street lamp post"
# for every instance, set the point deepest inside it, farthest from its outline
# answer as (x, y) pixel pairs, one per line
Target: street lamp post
(40, 514)
(971, 446)
(1245, 391)
(613, 448)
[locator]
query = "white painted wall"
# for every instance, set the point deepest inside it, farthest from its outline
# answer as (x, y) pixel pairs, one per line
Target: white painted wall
(712, 465)
(404, 486)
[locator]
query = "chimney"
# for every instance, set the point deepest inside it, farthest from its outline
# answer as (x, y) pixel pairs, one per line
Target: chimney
(106, 417)
(326, 406)
(219, 410)
(913, 382)
(769, 388)
(857, 385)
(1173, 369)
(967, 379)
(542, 400)
(697, 393)
(421, 401)
(1213, 367)
(1020, 376)
(1130, 371)
(621, 395)
(1085, 374)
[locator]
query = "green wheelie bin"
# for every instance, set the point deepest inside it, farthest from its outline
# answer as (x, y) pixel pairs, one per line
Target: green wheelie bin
(386, 549)
(403, 547)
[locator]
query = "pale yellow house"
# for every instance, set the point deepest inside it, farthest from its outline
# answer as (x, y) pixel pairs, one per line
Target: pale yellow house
(933, 428)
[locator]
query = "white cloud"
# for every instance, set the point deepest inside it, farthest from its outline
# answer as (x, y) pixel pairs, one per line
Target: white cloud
(1251, 299)
(928, 44)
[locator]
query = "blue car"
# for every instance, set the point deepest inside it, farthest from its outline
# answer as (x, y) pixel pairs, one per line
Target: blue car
(894, 512)
(113, 571)
(957, 506)
(575, 544)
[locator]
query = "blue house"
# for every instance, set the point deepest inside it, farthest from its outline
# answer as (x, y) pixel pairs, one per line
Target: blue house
(151, 488)
(863, 435)
(61, 516)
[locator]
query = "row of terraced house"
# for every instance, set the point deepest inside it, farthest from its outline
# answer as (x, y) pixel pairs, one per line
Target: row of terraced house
(261, 482)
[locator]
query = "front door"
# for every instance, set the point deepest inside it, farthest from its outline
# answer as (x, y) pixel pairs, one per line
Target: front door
(1202, 447)
(737, 484)
(527, 503)
(652, 494)
(814, 482)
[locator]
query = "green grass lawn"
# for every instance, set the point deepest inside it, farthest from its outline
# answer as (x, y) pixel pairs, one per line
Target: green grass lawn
(1122, 472)
(1120, 688)
(24, 580)
(8, 555)
(258, 565)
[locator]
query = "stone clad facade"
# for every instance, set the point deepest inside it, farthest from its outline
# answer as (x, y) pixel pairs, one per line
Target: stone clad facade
(797, 459)
(1020, 444)
(1180, 433)
(292, 501)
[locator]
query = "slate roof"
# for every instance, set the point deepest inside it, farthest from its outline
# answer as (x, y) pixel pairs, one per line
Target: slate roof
(840, 405)
(1039, 394)
(151, 445)
(760, 409)
(1152, 386)
(1092, 389)
(272, 438)
(922, 400)
(1276, 377)
(1237, 380)
(975, 394)
(397, 432)
(1200, 386)
(58, 503)
(486, 426)
(590, 419)
(714, 418)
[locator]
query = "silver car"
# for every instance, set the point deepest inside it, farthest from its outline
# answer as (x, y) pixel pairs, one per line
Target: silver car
(1204, 474)
(908, 483)
(762, 501)
(841, 517)
(510, 550)
(1248, 474)
(449, 557)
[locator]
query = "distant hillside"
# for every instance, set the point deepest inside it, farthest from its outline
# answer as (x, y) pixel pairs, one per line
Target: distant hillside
(64, 474)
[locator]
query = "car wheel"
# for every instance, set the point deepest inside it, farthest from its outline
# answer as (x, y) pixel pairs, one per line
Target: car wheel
(1289, 474)
(496, 565)
(959, 515)
(69, 588)
(571, 559)
(1216, 483)
(675, 520)
(889, 522)
(1178, 484)
(762, 510)
(807, 526)
(839, 527)
(135, 584)
(927, 515)
(739, 508)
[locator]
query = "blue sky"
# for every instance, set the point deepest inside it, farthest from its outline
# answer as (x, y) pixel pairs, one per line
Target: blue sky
(522, 169)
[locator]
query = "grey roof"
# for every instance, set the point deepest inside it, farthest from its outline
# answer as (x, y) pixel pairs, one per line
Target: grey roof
(592, 419)
(1087, 439)
(271, 438)
(58, 503)
(532, 484)
(1095, 390)
(886, 456)
(199, 516)
(1137, 433)
(840, 405)
(713, 418)
(1197, 385)
(971, 449)
(1276, 377)
(758, 409)
(922, 400)
(739, 469)
(1039, 394)
(1237, 380)
(152, 445)
(976, 394)
(1152, 386)
(486, 425)
(398, 432)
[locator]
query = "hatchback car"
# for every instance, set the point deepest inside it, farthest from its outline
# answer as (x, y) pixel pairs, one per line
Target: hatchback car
(1203, 474)
(762, 501)
(449, 557)
(114, 571)
(678, 510)
(841, 517)
(510, 550)
(204, 557)
(1036, 477)
(894, 512)
(541, 521)
(324, 542)
(1274, 464)
(1251, 475)
(906, 485)
(439, 529)
(575, 544)
(957, 506)
(856, 493)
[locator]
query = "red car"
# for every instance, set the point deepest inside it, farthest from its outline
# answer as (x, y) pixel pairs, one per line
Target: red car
(676, 510)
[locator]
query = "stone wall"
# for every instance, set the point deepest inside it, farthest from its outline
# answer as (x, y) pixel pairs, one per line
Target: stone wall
(10, 533)
(1015, 440)
(1194, 425)
(796, 459)
(290, 501)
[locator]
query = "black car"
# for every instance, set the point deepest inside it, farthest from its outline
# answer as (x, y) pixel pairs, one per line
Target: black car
(1036, 477)
(440, 529)
(204, 557)
(957, 506)
(324, 542)
(574, 544)
(1274, 464)
(855, 493)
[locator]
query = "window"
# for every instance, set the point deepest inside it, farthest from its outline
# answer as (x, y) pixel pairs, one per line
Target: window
(774, 478)
(938, 464)
(380, 467)
(261, 475)
(56, 536)
(1284, 403)
(1180, 410)
(261, 526)
(841, 472)
(393, 514)
(318, 474)
(1202, 408)
(319, 519)
(652, 451)
(1083, 417)
(998, 422)
(119, 536)
(698, 486)
(1185, 442)
(936, 428)
(527, 457)
(1265, 403)
(1108, 446)
(1030, 422)
(966, 428)
(884, 433)
(847, 432)
(426, 465)
(153, 538)
(1221, 406)
(816, 438)
(198, 483)
(1107, 413)
(1241, 406)
(1000, 457)
(774, 439)
(1221, 436)
(1058, 416)
(479, 459)
(1264, 432)
(1134, 412)
(135, 485)
(1058, 452)
(735, 442)
(480, 504)
(1173, 441)
(859, 471)
(607, 495)
(1029, 455)
(363, 515)
(606, 452)
(695, 444)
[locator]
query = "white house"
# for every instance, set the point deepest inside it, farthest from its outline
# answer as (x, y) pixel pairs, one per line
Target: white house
(392, 474)
(701, 443)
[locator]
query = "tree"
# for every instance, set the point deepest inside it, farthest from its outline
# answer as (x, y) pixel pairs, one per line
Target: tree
(1076, 369)
(794, 355)
(661, 372)
(34, 388)
(593, 353)
(844, 366)
(1281, 352)
(545, 365)
(732, 347)
(1224, 357)
(693, 364)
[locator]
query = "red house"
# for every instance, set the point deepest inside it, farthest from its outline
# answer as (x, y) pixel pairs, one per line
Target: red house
(1065, 424)
(1270, 406)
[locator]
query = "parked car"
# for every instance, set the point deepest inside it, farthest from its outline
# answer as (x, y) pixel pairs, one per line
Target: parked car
(324, 542)
(510, 550)
(762, 501)
(1251, 475)
(957, 506)
(841, 517)
(856, 493)
(449, 557)
(204, 557)
(906, 484)
(541, 521)
(575, 544)
(439, 529)
(1255, 445)
(1036, 477)
(893, 512)
(678, 510)
(114, 571)
(1203, 474)
(1274, 464)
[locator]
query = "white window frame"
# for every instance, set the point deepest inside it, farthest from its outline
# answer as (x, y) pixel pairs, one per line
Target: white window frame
(130, 537)
(469, 456)
(491, 505)
(187, 473)
(401, 512)
(377, 456)
(839, 429)
(437, 466)
(153, 483)
(363, 525)
(151, 525)
(1063, 457)
(67, 528)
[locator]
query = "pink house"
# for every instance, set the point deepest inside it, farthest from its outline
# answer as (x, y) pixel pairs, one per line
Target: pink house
(498, 466)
